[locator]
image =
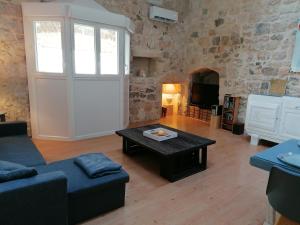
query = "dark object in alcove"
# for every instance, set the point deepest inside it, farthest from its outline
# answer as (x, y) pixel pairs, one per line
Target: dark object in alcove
(205, 89)
(238, 128)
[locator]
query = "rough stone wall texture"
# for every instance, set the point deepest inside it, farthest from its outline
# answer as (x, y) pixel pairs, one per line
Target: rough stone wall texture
(145, 92)
(13, 78)
(149, 35)
(247, 42)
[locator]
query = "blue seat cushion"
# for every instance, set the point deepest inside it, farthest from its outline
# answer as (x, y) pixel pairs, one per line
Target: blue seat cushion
(21, 150)
(78, 180)
(13, 171)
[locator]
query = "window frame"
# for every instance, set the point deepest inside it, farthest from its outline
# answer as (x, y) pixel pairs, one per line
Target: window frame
(97, 27)
(126, 33)
(35, 52)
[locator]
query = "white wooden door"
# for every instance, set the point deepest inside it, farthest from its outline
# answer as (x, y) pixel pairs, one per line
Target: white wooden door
(290, 122)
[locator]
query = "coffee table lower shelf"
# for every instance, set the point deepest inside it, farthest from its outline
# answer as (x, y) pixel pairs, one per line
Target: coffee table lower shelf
(173, 167)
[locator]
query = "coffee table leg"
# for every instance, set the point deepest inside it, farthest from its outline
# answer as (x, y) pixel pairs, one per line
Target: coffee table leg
(125, 146)
(167, 168)
(173, 169)
(203, 158)
(129, 147)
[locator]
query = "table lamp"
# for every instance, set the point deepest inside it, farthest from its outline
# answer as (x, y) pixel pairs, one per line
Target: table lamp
(169, 90)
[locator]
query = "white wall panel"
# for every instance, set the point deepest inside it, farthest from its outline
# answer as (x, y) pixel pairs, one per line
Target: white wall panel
(52, 106)
(126, 101)
(97, 107)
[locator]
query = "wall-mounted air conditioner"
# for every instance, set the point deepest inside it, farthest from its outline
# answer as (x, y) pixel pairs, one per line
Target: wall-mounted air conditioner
(163, 15)
(155, 2)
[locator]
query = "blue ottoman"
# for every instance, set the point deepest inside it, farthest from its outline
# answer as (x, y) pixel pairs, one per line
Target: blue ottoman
(88, 197)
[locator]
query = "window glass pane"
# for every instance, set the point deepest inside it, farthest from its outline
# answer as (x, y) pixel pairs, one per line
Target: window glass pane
(48, 46)
(127, 54)
(85, 62)
(109, 52)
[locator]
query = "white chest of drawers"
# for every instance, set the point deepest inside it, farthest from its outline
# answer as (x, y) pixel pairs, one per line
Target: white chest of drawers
(272, 118)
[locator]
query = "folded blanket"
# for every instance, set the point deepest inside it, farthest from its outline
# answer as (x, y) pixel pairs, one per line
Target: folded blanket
(12, 171)
(97, 165)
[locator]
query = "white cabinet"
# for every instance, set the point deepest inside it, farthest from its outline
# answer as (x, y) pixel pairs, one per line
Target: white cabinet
(264, 117)
(290, 122)
(273, 118)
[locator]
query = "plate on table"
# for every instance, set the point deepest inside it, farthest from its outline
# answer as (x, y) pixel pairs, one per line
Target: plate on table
(160, 134)
(290, 158)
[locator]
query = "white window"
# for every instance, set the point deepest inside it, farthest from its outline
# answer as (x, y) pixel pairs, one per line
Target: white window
(109, 57)
(127, 53)
(85, 62)
(48, 45)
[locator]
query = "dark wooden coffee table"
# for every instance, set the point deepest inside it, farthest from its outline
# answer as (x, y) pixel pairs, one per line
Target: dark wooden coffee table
(179, 157)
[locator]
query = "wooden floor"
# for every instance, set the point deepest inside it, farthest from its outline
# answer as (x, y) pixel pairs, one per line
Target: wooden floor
(229, 192)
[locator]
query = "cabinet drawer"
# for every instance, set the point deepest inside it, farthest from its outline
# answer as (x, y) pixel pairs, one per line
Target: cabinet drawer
(292, 103)
(263, 116)
(290, 124)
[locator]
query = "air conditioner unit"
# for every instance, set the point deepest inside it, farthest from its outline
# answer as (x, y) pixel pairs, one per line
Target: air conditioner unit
(155, 2)
(163, 15)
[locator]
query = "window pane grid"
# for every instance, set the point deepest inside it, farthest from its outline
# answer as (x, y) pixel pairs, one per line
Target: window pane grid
(48, 37)
(85, 62)
(95, 53)
(109, 56)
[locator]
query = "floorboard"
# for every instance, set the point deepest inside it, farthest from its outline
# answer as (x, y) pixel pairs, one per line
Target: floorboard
(229, 192)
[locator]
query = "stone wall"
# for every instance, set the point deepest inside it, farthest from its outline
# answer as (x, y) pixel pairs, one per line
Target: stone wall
(149, 35)
(145, 92)
(13, 78)
(247, 42)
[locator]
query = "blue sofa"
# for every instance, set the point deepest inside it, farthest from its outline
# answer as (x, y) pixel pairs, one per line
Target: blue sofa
(60, 194)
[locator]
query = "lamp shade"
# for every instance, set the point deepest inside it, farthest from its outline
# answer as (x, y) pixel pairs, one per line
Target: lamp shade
(171, 88)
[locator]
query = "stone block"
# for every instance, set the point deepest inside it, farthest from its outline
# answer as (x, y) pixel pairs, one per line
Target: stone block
(262, 28)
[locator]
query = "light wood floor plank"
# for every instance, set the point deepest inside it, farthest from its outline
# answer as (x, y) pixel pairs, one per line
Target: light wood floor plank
(229, 192)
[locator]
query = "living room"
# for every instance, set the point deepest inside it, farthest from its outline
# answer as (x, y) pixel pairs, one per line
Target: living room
(87, 83)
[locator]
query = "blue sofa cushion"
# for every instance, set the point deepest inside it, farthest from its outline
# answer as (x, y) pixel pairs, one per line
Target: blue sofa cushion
(97, 165)
(78, 181)
(13, 171)
(21, 150)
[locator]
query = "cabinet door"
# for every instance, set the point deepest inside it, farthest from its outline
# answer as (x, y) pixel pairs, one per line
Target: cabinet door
(290, 122)
(263, 117)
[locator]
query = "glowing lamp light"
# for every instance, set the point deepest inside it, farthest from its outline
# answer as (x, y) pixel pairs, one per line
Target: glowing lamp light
(169, 90)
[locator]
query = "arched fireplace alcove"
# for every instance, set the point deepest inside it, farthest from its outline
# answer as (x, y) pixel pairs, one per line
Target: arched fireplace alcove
(204, 88)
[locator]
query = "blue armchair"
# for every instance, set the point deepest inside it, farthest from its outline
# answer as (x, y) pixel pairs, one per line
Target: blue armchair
(283, 193)
(41, 199)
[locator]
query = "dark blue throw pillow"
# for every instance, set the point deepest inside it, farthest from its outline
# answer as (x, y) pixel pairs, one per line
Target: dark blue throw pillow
(12, 171)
